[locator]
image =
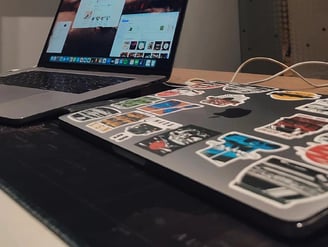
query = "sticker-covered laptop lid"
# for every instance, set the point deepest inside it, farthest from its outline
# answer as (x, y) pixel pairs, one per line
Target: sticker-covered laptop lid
(264, 147)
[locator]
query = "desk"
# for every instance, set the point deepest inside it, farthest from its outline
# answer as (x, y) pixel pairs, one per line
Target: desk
(137, 208)
(292, 83)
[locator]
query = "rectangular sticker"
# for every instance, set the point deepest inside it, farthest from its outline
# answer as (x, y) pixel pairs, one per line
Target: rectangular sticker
(174, 140)
(116, 121)
(145, 127)
(282, 182)
(137, 102)
(235, 146)
(296, 126)
(169, 106)
(92, 114)
(319, 106)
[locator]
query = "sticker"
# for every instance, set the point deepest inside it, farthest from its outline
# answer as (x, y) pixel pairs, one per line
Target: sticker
(174, 140)
(116, 121)
(131, 103)
(319, 106)
(246, 89)
(282, 182)
(323, 138)
(125, 118)
(296, 126)
(169, 106)
(79, 117)
(180, 91)
(144, 128)
(207, 85)
(93, 113)
(235, 146)
(99, 127)
(293, 95)
(225, 100)
(315, 154)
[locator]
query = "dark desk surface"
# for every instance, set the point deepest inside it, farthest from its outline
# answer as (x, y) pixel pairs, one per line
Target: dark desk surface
(91, 197)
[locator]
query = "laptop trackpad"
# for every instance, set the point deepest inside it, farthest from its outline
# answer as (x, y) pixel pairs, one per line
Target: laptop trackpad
(9, 93)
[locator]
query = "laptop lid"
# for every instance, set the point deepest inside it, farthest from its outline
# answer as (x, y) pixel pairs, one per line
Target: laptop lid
(126, 36)
(262, 150)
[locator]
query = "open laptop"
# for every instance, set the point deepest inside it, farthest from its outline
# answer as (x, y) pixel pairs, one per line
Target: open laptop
(261, 151)
(107, 47)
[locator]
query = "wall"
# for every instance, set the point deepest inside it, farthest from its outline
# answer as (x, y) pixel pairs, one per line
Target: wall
(209, 40)
(210, 37)
(309, 35)
(21, 48)
(308, 29)
(260, 34)
(23, 29)
(290, 31)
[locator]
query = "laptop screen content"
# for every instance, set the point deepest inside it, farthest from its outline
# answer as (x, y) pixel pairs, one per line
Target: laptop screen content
(114, 33)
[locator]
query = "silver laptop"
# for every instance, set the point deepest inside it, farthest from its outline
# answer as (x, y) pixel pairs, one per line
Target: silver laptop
(260, 151)
(95, 48)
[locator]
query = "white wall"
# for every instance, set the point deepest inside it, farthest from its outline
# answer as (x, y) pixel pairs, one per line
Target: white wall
(23, 29)
(209, 40)
(22, 40)
(210, 37)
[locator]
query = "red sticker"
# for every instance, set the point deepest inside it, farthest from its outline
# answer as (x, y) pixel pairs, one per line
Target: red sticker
(318, 154)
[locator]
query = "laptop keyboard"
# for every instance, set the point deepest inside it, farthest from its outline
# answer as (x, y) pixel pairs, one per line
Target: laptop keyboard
(63, 82)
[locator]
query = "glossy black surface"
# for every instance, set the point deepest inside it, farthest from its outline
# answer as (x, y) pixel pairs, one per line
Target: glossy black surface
(91, 197)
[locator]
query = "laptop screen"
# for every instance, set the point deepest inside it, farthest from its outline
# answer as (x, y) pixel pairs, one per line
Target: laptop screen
(108, 34)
